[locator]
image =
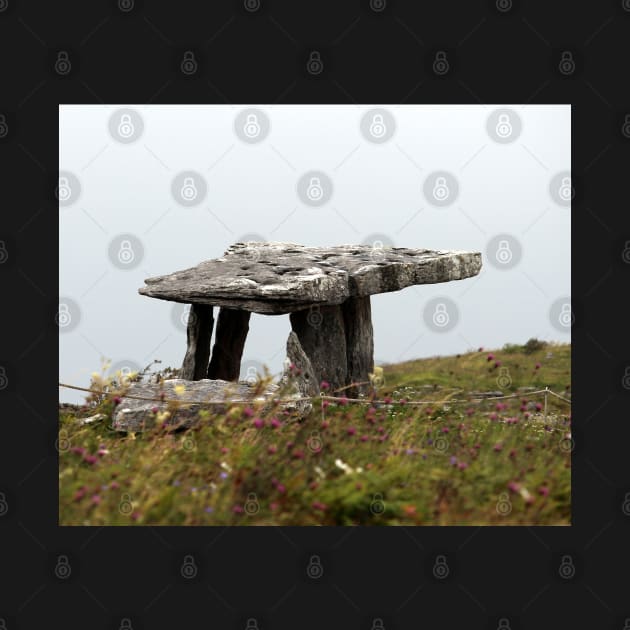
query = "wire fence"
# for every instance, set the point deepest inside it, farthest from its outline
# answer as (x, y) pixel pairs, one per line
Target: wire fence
(367, 401)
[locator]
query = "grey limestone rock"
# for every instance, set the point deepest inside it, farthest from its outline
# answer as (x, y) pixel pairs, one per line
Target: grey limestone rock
(275, 278)
(300, 373)
(132, 414)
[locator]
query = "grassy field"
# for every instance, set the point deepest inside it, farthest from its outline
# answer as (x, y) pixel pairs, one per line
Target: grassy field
(498, 462)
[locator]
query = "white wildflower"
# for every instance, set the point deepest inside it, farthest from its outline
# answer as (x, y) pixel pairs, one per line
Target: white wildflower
(347, 469)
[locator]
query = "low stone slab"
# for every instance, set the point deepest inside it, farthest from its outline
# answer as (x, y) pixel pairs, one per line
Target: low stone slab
(276, 278)
(132, 414)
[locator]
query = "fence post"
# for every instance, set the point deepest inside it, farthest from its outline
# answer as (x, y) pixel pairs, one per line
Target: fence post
(546, 390)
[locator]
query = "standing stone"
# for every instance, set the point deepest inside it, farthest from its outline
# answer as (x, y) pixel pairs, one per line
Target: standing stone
(322, 335)
(301, 374)
(232, 328)
(198, 335)
(357, 313)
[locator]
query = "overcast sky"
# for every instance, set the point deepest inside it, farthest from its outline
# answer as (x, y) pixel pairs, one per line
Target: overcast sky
(147, 190)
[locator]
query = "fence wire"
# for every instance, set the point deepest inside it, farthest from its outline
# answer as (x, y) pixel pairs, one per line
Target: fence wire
(323, 396)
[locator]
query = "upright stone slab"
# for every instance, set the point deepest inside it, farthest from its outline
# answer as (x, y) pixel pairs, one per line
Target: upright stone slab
(300, 373)
(322, 335)
(198, 335)
(357, 314)
(232, 328)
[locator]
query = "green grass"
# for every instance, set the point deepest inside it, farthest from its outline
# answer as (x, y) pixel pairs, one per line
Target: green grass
(439, 464)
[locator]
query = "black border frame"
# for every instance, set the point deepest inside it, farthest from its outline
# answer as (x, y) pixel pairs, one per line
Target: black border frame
(383, 56)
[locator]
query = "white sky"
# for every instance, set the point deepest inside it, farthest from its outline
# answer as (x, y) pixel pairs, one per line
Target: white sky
(504, 188)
